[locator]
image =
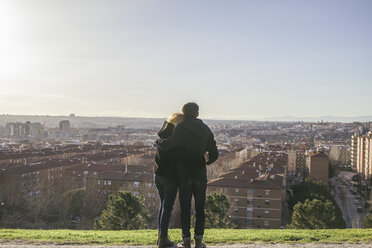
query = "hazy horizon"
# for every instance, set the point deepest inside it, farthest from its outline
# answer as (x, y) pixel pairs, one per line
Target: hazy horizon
(238, 60)
(330, 118)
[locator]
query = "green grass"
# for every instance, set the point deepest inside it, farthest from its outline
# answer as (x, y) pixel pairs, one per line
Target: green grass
(212, 236)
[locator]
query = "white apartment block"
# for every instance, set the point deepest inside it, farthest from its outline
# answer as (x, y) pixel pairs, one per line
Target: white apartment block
(361, 154)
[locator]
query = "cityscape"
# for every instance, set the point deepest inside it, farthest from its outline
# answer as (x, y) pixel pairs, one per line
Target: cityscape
(259, 167)
(162, 123)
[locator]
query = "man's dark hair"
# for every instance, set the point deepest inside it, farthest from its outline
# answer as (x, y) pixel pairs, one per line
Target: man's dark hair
(190, 109)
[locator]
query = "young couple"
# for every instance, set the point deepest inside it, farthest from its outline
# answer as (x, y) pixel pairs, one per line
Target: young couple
(185, 147)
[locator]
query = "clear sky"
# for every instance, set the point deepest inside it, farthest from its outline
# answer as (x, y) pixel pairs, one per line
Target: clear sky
(237, 59)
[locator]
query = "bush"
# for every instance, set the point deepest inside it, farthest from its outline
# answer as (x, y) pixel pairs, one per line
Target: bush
(315, 190)
(314, 214)
(216, 210)
(367, 222)
(123, 212)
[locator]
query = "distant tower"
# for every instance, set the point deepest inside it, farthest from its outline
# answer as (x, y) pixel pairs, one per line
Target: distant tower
(10, 129)
(16, 130)
(64, 125)
(27, 128)
(36, 130)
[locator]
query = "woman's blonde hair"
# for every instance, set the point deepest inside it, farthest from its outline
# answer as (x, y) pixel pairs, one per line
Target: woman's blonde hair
(176, 119)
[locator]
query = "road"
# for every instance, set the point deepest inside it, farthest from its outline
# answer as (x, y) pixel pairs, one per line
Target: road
(346, 201)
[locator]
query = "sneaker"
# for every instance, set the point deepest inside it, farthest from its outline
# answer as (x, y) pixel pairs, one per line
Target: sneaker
(198, 242)
(164, 242)
(185, 244)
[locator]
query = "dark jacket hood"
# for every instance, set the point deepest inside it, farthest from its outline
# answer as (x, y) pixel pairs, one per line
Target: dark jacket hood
(166, 130)
(195, 134)
(195, 127)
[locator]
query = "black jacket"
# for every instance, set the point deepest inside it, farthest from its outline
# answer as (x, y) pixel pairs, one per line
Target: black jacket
(196, 139)
(166, 161)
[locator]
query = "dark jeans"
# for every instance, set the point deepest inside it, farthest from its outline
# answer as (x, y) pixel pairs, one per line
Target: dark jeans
(167, 188)
(196, 188)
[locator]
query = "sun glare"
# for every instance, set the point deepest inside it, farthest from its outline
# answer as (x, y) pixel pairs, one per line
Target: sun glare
(10, 51)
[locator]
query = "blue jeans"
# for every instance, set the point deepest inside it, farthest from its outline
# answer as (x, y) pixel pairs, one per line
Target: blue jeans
(196, 188)
(167, 188)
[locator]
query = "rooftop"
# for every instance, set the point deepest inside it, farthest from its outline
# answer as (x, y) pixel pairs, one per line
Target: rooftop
(265, 170)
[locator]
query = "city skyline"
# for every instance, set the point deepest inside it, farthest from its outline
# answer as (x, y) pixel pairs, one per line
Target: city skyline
(240, 60)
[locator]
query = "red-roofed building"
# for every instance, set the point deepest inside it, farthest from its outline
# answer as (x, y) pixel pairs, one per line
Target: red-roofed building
(256, 190)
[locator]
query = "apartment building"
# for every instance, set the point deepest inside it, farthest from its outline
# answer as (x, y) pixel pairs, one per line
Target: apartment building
(256, 190)
(33, 178)
(77, 176)
(292, 163)
(318, 164)
(354, 152)
(136, 180)
(56, 153)
(361, 156)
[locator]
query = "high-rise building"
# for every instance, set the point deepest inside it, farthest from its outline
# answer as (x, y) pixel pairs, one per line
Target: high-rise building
(27, 128)
(10, 129)
(64, 130)
(16, 130)
(36, 130)
(64, 125)
(368, 156)
(361, 156)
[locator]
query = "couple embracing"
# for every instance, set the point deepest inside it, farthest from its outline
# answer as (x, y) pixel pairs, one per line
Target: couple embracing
(184, 148)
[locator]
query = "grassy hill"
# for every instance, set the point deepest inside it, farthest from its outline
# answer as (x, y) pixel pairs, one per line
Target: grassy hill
(212, 236)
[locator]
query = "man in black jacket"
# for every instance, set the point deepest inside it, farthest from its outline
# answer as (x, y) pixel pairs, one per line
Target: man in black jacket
(197, 140)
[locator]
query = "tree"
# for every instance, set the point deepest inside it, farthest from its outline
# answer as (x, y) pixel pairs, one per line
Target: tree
(73, 201)
(94, 203)
(38, 205)
(367, 222)
(314, 214)
(310, 190)
(216, 209)
(123, 212)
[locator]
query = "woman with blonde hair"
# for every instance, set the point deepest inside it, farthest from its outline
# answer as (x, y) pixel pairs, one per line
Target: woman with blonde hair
(166, 179)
